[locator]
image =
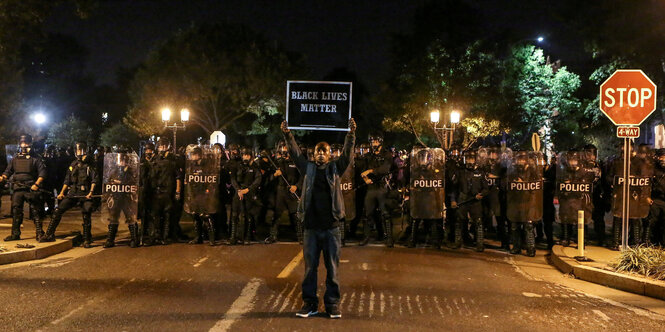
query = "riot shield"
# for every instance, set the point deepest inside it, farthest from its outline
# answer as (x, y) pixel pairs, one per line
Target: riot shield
(347, 182)
(574, 186)
(427, 182)
(202, 172)
(524, 181)
(491, 161)
(10, 151)
(120, 183)
(641, 172)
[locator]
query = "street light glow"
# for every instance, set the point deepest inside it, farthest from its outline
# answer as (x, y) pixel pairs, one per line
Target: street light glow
(540, 39)
(454, 117)
(39, 118)
(166, 114)
(184, 115)
(434, 116)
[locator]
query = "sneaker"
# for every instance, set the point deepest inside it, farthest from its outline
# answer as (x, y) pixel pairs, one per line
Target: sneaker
(307, 310)
(333, 312)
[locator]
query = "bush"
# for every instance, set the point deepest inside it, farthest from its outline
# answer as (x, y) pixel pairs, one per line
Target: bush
(645, 260)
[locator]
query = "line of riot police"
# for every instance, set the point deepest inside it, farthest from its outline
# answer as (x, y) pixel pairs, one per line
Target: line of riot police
(454, 198)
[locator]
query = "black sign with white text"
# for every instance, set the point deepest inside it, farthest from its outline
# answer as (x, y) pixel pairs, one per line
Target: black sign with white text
(318, 105)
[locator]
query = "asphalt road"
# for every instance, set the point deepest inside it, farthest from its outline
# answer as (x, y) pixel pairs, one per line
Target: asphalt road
(201, 288)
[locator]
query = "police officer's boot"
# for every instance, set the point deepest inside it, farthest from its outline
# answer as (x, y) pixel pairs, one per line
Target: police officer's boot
(414, 234)
(300, 228)
(388, 231)
(87, 235)
(647, 233)
(480, 236)
(248, 232)
(39, 231)
(134, 235)
(366, 231)
(437, 234)
(165, 230)
(516, 238)
(530, 240)
(110, 240)
(565, 237)
(17, 219)
(505, 238)
(198, 231)
(636, 227)
(616, 234)
(233, 240)
(50, 230)
(211, 231)
(458, 234)
(274, 228)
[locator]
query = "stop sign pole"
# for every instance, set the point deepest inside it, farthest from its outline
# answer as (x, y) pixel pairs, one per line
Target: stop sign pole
(627, 98)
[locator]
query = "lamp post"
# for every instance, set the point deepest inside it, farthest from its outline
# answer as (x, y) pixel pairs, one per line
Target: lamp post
(184, 118)
(435, 116)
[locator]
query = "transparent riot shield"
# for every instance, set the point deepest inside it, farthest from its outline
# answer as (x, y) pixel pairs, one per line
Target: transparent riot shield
(574, 186)
(427, 183)
(347, 181)
(120, 183)
(641, 172)
(202, 174)
(524, 182)
(491, 161)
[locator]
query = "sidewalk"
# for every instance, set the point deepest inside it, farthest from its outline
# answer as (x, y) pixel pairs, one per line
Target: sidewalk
(67, 236)
(599, 271)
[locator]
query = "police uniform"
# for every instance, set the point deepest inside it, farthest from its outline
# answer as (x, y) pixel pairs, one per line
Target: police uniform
(25, 169)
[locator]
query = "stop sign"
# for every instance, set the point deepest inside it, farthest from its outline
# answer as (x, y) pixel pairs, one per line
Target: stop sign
(628, 97)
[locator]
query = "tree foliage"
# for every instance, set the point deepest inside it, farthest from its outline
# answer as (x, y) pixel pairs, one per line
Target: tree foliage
(70, 131)
(227, 75)
(119, 134)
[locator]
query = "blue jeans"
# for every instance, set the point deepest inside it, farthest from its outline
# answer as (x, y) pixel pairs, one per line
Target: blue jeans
(329, 242)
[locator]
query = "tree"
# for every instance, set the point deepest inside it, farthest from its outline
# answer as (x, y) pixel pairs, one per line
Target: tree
(119, 134)
(70, 131)
(20, 29)
(227, 75)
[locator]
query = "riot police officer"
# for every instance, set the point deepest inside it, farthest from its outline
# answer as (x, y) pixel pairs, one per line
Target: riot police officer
(144, 190)
(28, 172)
(245, 179)
(77, 190)
(120, 181)
(286, 199)
(202, 199)
(470, 186)
(525, 197)
(376, 167)
(656, 219)
(165, 188)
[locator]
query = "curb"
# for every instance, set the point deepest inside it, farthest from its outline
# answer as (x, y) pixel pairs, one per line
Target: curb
(611, 279)
(59, 246)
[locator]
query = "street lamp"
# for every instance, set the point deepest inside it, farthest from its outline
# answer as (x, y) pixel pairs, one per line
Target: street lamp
(435, 116)
(39, 118)
(184, 118)
(540, 39)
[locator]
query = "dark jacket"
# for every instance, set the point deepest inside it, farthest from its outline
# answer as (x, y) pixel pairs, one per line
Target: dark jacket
(334, 170)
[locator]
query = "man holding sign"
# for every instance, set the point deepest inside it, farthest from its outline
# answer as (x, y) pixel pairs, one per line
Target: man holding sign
(320, 209)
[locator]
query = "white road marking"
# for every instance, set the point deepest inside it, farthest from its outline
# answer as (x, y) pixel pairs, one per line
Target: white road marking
(364, 267)
(399, 302)
(279, 297)
(601, 315)
(242, 305)
(361, 302)
(291, 266)
(197, 264)
(527, 294)
(383, 303)
(438, 307)
(288, 298)
(353, 297)
(71, 313)
(371, 304)
(408, 305)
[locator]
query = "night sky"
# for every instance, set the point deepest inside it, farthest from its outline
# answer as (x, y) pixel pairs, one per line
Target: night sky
(353, 34)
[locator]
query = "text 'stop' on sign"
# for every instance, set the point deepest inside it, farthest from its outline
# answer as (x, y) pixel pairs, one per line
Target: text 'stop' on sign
(628, 97)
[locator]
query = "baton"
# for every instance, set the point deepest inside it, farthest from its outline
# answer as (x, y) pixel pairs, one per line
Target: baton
(282, 175)
(83, 196)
